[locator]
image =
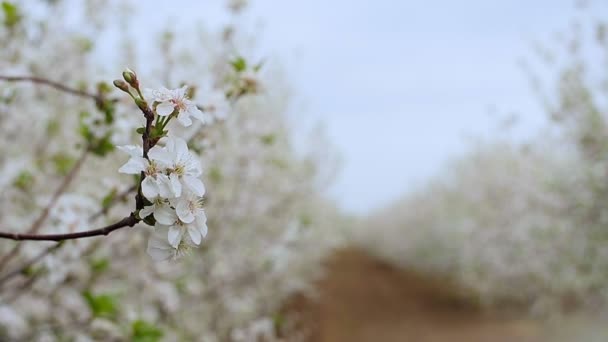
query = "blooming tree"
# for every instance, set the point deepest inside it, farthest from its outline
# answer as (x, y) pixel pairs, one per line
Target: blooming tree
(79, 154)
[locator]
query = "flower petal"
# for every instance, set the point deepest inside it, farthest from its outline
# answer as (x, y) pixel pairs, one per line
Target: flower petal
(165, 215)
(184, 119)
(132, 150)
(146, 211)
(197, 114)
(195, 234)
(134, 166)
(165, 108)
(201, 225)
(194, 184)
(149, 188)
(174, 236)
(175, 185)
(183, 211)
(160, 155)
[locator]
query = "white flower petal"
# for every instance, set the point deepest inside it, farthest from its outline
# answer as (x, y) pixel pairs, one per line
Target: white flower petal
(160, 155)
(164, 186)
(180, 147)
(146, 211)
(183, 211)
(134, 166)
(197, 114)
(165, 215)
(158, 248)
(149, 188)
(201, 225)
(165, 108)
(174, 236)
(194, 184)
(184, 119)
(195, 234)
(175, 185)
(132, 150)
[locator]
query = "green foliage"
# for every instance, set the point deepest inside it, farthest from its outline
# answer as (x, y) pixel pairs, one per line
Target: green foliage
(103, 305)
(12, 16)
(107, 200)
(100, 265)
(24, 180)
(268, 139)
(143, 331)
(215, 175)
(239, 64)
(84, 44)
(63, 163)
(101, 147)
(52, 128)
(306, 220)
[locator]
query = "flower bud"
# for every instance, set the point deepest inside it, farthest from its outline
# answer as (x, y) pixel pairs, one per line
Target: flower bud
(141, 104)
(131, 78)
(122, 85)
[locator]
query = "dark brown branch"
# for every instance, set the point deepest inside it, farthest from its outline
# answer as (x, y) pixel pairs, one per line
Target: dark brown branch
(52, 84)
(147, 144)
(128, 221)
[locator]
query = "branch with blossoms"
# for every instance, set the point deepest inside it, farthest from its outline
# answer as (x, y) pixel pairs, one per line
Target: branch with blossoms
(169, 190)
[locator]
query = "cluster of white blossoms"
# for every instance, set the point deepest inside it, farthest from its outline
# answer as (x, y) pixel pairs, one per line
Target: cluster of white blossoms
(171, 182)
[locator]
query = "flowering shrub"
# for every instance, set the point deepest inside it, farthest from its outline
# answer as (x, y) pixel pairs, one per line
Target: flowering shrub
(525, 224)
(213, 153)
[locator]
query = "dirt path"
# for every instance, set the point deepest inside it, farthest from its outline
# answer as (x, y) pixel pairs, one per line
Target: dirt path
(363, 299)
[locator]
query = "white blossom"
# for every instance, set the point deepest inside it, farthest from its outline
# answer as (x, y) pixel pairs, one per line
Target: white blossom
(163, 213)
(188, 207)
(183, 167)
(170, 100)
(159, 249)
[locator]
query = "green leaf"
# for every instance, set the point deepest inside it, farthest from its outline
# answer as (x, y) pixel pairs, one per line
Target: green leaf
(24, 180)
(100, 265)
(103, 305)
(63, 163)
(107, 200)
(52, 128)
(140, 130)
(305, 220)
(239, 64)
(143, 331)
(268, 139)
(215, 175)
(11, 14)
(102, 146)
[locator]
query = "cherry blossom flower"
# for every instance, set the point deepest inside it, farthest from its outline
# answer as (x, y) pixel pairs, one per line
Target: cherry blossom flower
(183, 167)
(155, 182)
(188, 207)
(170, 100)
(163, 213)
(159, 248)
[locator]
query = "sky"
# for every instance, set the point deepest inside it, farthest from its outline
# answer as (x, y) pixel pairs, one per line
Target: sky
(400, 86)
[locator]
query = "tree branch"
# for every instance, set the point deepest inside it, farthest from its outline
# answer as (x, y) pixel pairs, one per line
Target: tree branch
(52, 84)
(128, 221)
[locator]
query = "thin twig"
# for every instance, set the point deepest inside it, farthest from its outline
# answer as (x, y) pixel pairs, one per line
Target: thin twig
(128, 221)
(53, 84)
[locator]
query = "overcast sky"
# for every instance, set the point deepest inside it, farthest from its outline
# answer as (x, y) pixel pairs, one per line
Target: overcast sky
(401, 84)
